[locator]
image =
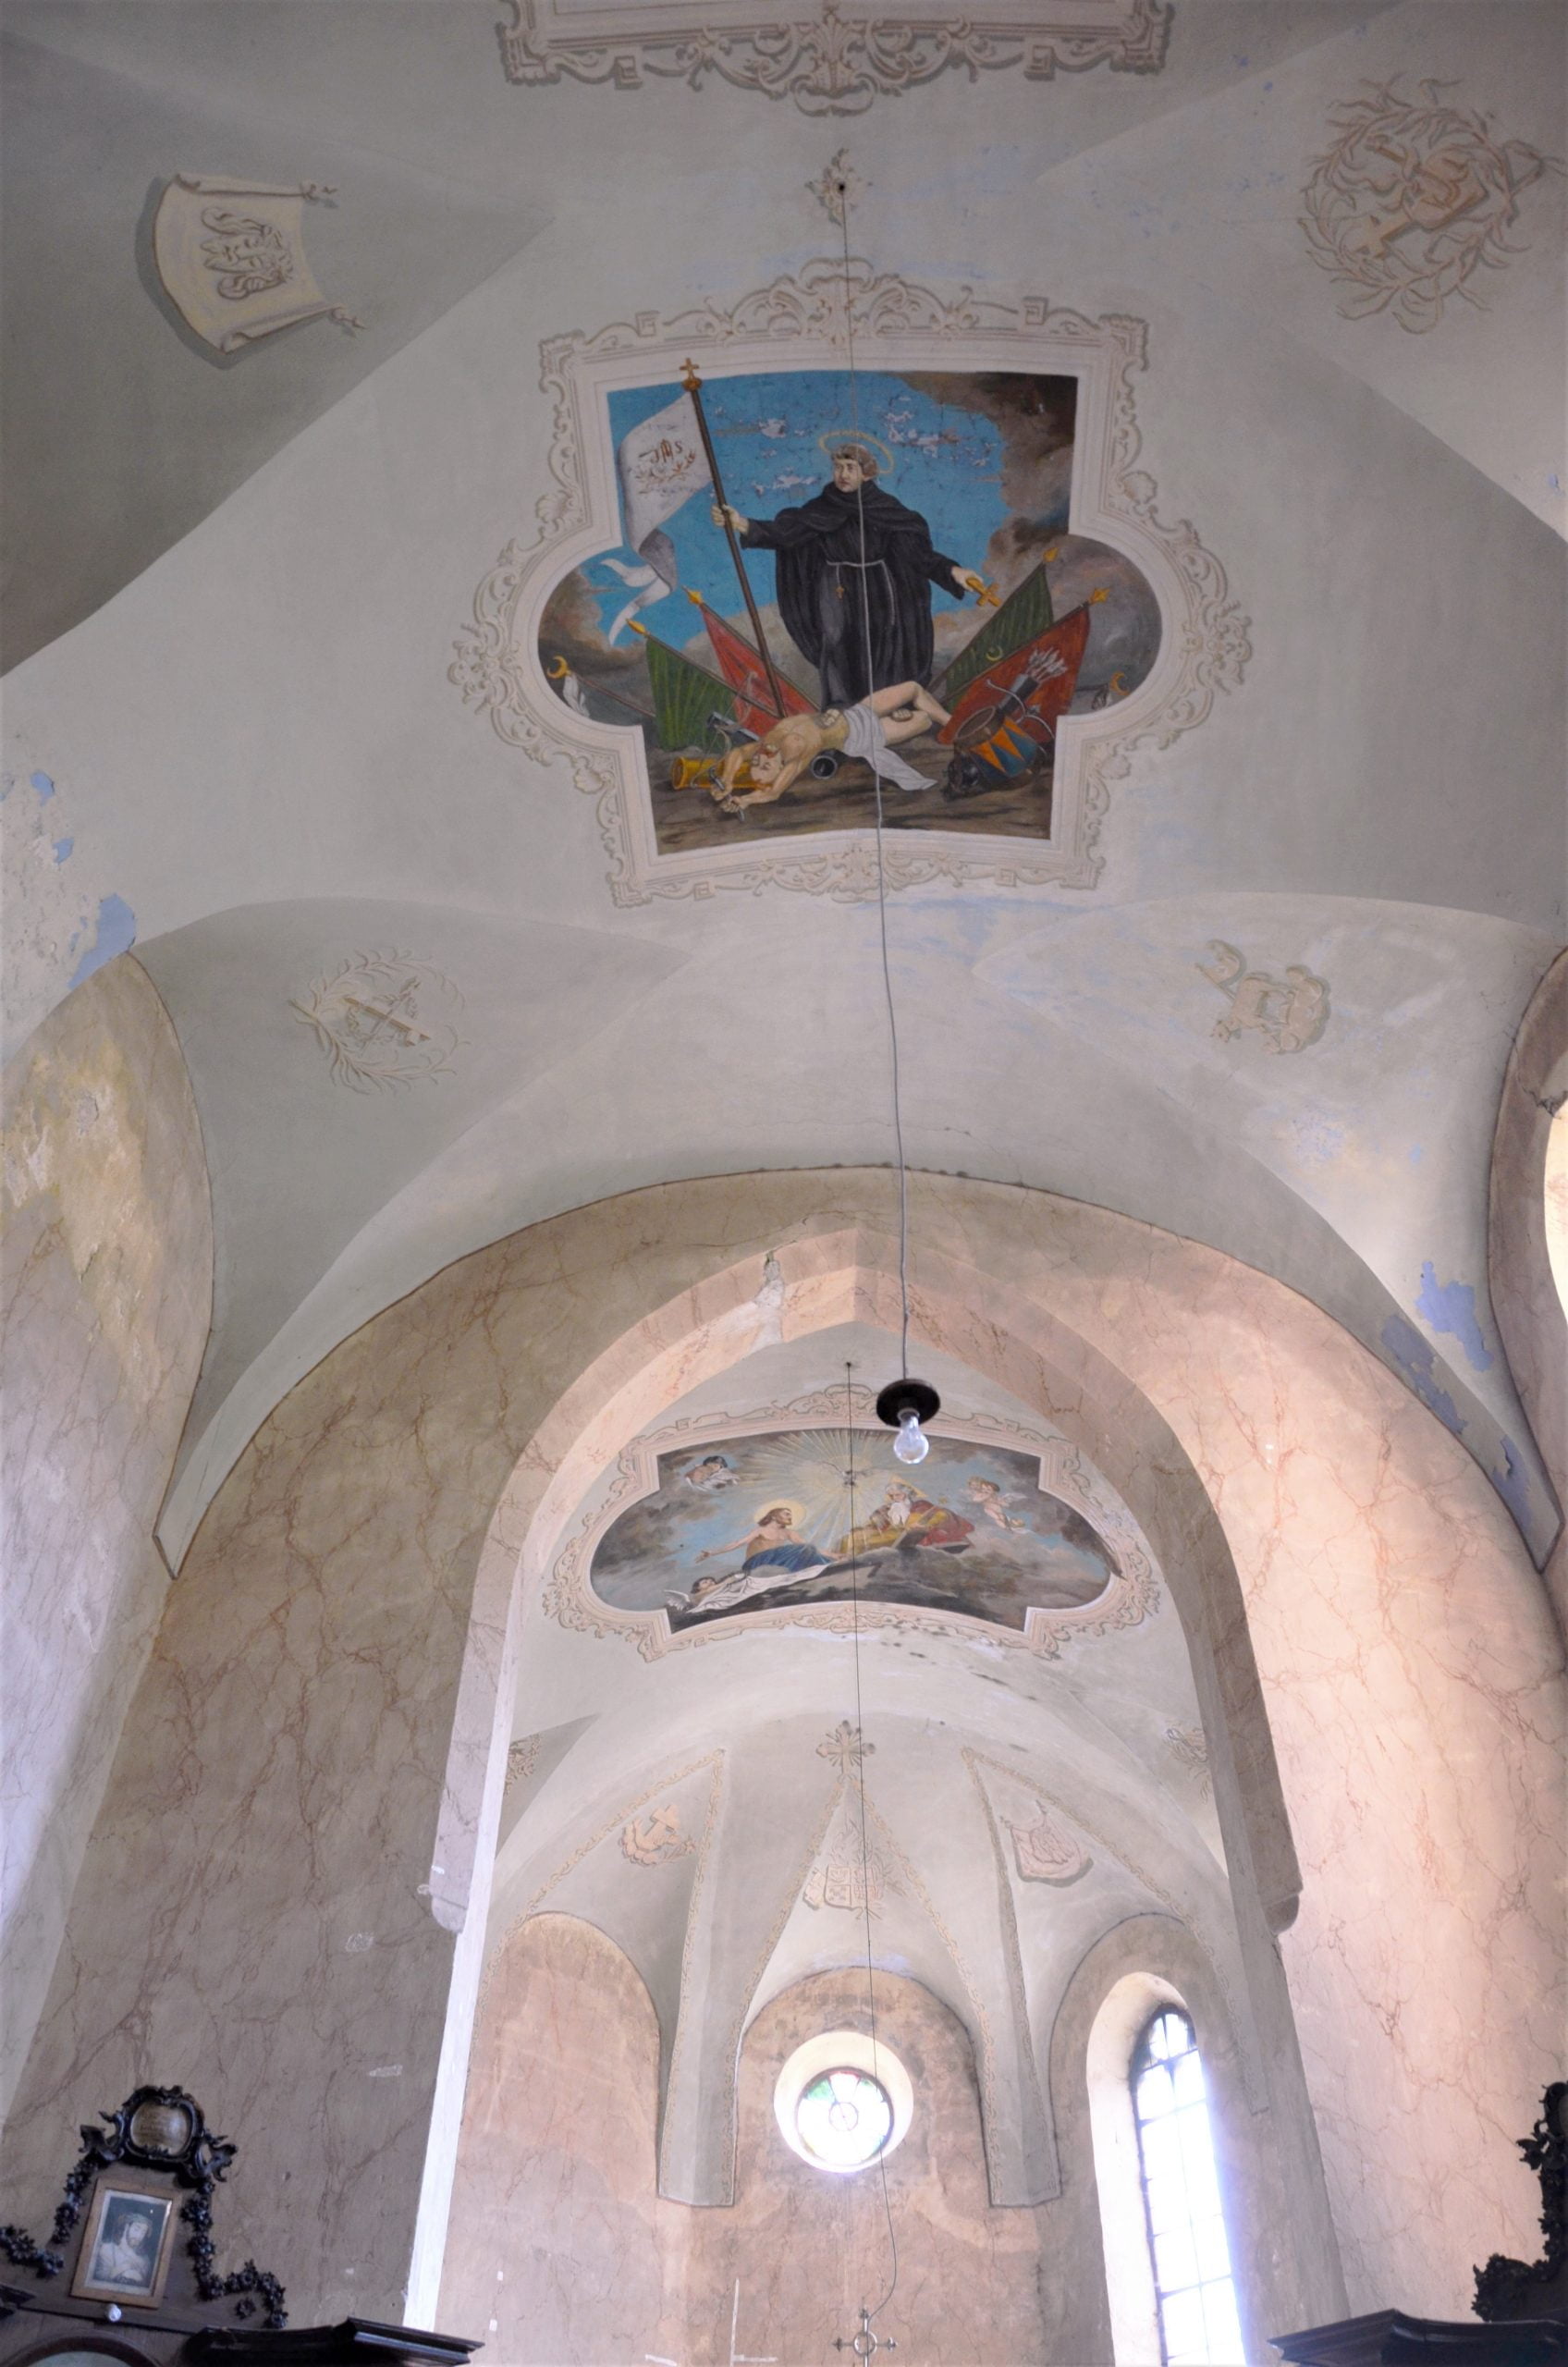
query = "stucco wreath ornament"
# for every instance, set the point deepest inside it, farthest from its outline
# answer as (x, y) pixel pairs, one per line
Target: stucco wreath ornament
(1411, 200)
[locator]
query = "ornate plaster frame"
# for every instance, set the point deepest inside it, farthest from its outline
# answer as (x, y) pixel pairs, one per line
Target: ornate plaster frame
(799, 323)
(830, 64)
(1132, 1595)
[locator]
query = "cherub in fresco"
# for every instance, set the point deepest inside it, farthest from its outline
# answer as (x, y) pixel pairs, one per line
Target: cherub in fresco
(759, 772)
(713, 1472)
(988, 1497)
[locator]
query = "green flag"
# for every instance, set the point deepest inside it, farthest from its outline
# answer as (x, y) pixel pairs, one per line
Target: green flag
(1022, 615)
(684, 697)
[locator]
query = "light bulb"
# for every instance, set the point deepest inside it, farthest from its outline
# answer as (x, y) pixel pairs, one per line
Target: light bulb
(911, 1445)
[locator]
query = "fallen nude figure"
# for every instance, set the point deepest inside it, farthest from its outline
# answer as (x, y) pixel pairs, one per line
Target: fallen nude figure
(758, 773)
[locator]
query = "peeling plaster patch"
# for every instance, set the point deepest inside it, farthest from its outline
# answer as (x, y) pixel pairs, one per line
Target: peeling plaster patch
(63, 848)
(1450, 1307)
(1414, 1359)
(1318, 1141)
(42, 783)
(1512, 1484)
(114, 932)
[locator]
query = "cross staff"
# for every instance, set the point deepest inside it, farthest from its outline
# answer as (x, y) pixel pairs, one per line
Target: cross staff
(694, 387)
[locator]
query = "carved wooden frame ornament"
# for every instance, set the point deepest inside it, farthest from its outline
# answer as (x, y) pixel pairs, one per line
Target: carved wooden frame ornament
(798, 322)
(829, 63)
(1132, 1594)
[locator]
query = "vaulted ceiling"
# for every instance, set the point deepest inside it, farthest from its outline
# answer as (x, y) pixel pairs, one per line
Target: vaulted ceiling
(237, 584)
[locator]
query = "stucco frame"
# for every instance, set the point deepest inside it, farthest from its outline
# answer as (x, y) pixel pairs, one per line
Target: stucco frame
(826, 64)
(1132, 1595)
(798, 322)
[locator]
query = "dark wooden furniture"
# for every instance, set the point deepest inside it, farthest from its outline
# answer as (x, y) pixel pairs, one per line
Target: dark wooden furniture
(1521, 2306)
(128, 2273)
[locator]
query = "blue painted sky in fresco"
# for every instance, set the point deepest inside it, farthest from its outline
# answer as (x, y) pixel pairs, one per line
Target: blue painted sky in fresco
(948, 465)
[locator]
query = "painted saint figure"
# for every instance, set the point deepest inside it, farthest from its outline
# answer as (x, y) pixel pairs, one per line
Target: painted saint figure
(855, 570)
(775, 1551)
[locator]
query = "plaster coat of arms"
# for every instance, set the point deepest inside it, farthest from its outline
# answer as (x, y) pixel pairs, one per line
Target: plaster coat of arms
(1288, 1013)
(1411, 200)
(382, 1019)
(656, 1839)
(230, 257)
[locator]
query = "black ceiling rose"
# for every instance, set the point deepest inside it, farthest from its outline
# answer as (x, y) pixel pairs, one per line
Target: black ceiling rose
(907, 1396)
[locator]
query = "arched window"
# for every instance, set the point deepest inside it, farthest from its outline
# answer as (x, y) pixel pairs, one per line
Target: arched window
(1194, 2294)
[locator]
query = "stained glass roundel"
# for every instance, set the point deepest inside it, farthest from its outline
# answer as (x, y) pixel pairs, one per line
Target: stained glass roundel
(844, 2119)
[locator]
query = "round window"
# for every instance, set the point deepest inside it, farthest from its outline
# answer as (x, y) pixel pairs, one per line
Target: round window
(843, 2101)
(844, 2119)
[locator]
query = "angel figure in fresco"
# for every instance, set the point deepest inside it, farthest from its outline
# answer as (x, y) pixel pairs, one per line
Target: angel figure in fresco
(759, 771)
(855, 570)
(712, 1472)
(774, 1552)
(990, 1499)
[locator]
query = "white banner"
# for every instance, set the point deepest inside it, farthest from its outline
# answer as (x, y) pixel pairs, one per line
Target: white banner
(661, 465)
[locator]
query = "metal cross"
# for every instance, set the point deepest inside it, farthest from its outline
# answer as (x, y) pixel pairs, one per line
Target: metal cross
(865, 2344)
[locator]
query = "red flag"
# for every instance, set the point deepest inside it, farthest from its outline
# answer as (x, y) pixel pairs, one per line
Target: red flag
(1041, 677)
(747, 676)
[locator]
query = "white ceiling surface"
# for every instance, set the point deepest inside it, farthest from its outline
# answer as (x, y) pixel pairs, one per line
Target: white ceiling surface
(257, 734)
(122, 428)
(1089, 1730)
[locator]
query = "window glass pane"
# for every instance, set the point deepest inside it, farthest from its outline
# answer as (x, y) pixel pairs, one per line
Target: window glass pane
(844, 2119)
(1155, 2098)
(1186, 2332)
(1186, 2077)
(1224, 2328)
(1192, 2262)
(1175, 2259)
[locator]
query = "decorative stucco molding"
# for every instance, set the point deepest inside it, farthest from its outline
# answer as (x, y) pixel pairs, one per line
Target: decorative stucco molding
(230, 257)
(799, 323)
(1131, 1596)
(829, 61)
(1411, 199)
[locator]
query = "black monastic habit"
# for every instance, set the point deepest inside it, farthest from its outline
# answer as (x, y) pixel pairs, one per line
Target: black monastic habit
(830, 588)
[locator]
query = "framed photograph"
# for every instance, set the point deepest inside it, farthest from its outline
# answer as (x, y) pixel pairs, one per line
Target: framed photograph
(125, 2254)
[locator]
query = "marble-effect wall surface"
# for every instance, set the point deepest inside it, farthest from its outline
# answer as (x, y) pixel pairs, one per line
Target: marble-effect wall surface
(560, 2248)
(272, 1901)
(107, 1292)
(1527, 1235)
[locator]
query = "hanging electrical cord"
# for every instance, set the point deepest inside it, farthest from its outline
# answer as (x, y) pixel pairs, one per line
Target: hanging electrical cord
(877, 785)
(865, 2344)
(866, 2315)
(905, 1404)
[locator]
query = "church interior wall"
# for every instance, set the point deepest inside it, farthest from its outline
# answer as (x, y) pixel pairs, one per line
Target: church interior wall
(420, 1125)
(107, 1282)
(1527, 1235)
(558, 2140)
(312, 1651)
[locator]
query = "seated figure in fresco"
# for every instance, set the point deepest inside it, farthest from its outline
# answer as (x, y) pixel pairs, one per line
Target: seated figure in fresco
(855, 570)
(905, 1519)
(775, 1551)
(760, 771)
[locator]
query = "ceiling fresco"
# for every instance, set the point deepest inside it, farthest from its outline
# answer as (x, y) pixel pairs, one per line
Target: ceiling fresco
(884, 529)
(799, 1518)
